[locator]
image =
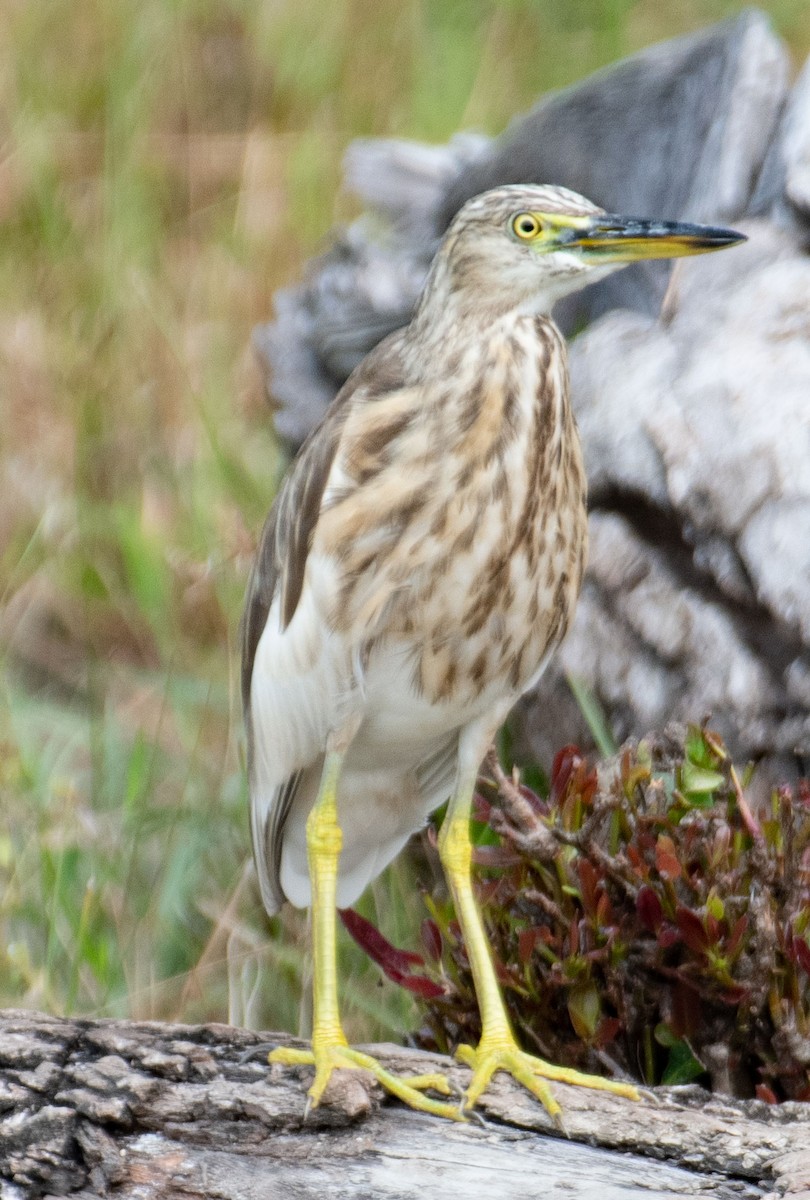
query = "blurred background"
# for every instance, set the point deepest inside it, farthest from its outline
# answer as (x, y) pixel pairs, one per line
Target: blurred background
(164, 167)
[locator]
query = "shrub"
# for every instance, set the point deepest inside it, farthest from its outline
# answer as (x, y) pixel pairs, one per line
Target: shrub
(642, 919)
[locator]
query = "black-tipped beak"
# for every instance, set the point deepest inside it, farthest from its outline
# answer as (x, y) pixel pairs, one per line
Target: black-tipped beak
(610, 238)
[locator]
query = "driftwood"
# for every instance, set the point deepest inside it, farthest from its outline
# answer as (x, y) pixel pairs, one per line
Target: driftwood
(95, 1109)
(690, 384)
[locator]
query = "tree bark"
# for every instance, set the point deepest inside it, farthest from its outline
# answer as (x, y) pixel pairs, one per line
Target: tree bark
(95, 1109)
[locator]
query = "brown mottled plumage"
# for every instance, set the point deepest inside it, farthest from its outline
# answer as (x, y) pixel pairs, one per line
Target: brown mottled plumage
(420, 564)
(447, 472)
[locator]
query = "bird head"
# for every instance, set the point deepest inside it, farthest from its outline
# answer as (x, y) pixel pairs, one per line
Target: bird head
(525, 247)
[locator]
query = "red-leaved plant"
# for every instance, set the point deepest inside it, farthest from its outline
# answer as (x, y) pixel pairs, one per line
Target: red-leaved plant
(642, 919)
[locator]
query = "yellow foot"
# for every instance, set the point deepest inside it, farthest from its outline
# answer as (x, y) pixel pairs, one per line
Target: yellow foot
(531, 1072)
(335, 1056)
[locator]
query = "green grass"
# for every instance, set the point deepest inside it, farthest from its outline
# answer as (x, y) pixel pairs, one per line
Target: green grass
(163, 168)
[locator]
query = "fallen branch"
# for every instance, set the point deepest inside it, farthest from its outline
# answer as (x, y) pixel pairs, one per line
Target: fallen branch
(94, 1109)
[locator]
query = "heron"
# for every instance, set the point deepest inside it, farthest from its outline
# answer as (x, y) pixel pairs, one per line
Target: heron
(418, 568)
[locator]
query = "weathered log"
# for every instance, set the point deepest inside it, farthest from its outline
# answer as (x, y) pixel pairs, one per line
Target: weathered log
(693, 415)
(95, 1109)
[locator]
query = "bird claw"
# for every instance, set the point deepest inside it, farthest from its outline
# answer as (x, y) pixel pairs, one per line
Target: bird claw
(261, 1050)
(472, 1114)
(559, 1121)
(532, 1073)
(336, 1056)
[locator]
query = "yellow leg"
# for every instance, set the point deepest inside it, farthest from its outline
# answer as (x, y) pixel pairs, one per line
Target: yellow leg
(330, 1048)
(498, 1049)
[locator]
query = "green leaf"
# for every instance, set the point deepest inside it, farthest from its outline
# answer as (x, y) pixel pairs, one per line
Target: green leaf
(682, 1065)
(696, 749)
(594, 717)
(695, 779)
(585, 1010)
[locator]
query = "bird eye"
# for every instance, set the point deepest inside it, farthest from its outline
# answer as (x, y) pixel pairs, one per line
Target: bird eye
(525, 226)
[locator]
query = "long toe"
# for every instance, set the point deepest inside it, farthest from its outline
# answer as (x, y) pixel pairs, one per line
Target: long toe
(532, 1073)
(410, 1089)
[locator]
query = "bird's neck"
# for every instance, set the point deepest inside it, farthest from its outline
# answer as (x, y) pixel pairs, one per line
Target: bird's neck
(502, 390)
(447, 315)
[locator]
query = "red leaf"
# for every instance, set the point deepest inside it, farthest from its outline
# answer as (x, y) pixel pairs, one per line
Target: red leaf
(377, 947)
(420, 985)
(546, 935)
(801, 953)
(527, 940)
(625, 766)
(766, 1093)
(502, 974)
(666, 858)
(734, 994)
(481, 808)
(539, 805)
(737, 932)
(637, 862)
(649, 909)
(608, 1028)
(691, 930)
(587, 784)
(588, 884)
(667, 936)
(432, 939)
(566, 761)
(395, 964)
(604, 910)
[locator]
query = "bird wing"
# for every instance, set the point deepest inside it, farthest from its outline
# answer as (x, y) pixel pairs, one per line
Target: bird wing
(277, 584)
(286, 539)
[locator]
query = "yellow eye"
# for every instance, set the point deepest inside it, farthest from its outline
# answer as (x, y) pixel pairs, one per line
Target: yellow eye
(525, 226)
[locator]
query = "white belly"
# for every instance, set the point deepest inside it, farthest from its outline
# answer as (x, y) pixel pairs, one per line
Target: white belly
(400, 765)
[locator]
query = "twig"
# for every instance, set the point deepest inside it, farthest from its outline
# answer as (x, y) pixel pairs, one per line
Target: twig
(749, 820)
